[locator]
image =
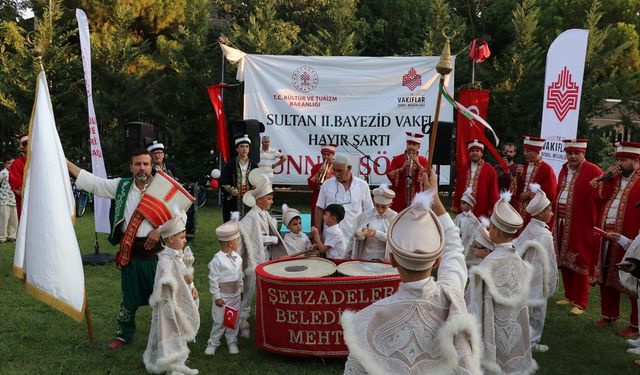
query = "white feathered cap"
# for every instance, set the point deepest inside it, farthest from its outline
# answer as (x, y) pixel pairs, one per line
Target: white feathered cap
(415, 236)
(229, 230)
(539, 201)
(467, 196)
(504, 216)
(174, 225)
(288, 214)
(482, 236)
(249, 198)
(383, 195)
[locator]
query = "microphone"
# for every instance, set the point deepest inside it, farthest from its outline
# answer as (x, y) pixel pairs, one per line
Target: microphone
(605, 177)
(518, 173)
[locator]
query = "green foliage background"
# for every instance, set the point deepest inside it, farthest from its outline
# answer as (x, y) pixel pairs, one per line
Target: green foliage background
(152, 60)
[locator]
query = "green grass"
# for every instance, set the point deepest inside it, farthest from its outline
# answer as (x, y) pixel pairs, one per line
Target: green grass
(36, 339)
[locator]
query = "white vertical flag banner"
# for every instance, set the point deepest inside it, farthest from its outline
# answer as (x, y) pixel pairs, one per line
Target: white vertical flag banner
(368, 103)
(47, 255)
(100, 205)
(562, 92)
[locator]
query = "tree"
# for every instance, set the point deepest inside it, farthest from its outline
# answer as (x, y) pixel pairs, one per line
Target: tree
(264, 32)
(51, 35)
(515, 109)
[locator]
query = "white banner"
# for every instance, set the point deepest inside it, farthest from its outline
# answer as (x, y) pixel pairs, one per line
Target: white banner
(47, 255)
(366, 103)
(100, 205)
(562, 91)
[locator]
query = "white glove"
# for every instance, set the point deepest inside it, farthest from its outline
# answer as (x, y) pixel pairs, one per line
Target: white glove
(269, 240)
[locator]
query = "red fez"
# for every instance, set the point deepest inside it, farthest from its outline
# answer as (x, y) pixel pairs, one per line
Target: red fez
(575, 145)
(475, 145)
(533, 143)
(627, 150)
(328, 148)
(414, 137)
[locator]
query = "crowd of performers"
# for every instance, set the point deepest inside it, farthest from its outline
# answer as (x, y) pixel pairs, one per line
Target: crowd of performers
(499, 257)
(497, 261)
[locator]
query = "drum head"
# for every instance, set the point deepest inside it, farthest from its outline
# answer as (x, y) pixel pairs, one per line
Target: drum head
(358, 268)
(308, 267)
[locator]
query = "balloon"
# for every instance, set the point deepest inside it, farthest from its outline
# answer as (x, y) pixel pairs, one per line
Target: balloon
(213, 183)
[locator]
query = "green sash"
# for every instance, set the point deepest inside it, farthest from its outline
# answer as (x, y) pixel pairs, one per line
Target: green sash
(116, 212)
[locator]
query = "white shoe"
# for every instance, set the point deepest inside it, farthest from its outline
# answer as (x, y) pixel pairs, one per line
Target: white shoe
(210, 350)
(233, 349)
(634, 342)
(246, 333)
(541, 348)
(186, 370)
(635, 351)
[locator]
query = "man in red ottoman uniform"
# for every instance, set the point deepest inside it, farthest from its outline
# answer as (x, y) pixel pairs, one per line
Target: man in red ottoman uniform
(16, 172)
(576, 212)
(481, 178)
(534, 170)
(320, 173)
(398, 176)
(619, 193)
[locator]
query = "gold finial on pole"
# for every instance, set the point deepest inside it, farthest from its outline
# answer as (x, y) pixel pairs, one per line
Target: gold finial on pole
(444, 67)
(36, 51)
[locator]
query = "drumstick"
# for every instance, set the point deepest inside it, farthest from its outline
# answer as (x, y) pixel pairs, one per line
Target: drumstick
(297, 254)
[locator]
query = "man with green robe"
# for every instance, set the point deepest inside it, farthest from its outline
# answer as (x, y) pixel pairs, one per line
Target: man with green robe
(139, 243)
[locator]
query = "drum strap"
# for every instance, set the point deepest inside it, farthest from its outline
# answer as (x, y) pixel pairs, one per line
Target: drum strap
(124, 253)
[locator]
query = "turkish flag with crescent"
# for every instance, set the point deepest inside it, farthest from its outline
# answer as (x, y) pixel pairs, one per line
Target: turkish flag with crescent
(215, 94)
(477, 101)
(230, 317)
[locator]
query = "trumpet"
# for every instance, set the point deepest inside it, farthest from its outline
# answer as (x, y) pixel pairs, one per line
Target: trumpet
(325, 168)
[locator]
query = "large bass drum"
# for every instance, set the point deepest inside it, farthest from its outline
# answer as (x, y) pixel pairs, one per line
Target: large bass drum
(359, 268)
(306, 267)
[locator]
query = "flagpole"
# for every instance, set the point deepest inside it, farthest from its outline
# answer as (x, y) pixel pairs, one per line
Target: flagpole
(223, 65)
(444, 67)
(87, 317)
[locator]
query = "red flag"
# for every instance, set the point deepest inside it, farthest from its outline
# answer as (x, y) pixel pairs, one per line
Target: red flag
(483, 52)
(473, 50)
(230, 317)
(479, 50)
(215, 94)
(475, 100)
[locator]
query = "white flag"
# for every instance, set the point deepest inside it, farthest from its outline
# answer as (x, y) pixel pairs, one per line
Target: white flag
(562, 91)
(47, 254)
(100, 205)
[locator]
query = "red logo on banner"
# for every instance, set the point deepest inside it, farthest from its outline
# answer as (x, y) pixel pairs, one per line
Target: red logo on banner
(562, 95)
(305, 78)
(412, 79)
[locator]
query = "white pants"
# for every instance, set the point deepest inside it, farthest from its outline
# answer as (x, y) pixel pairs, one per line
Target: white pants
(231, 335)
(537, 315)
(8, 223)
(249, 292)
